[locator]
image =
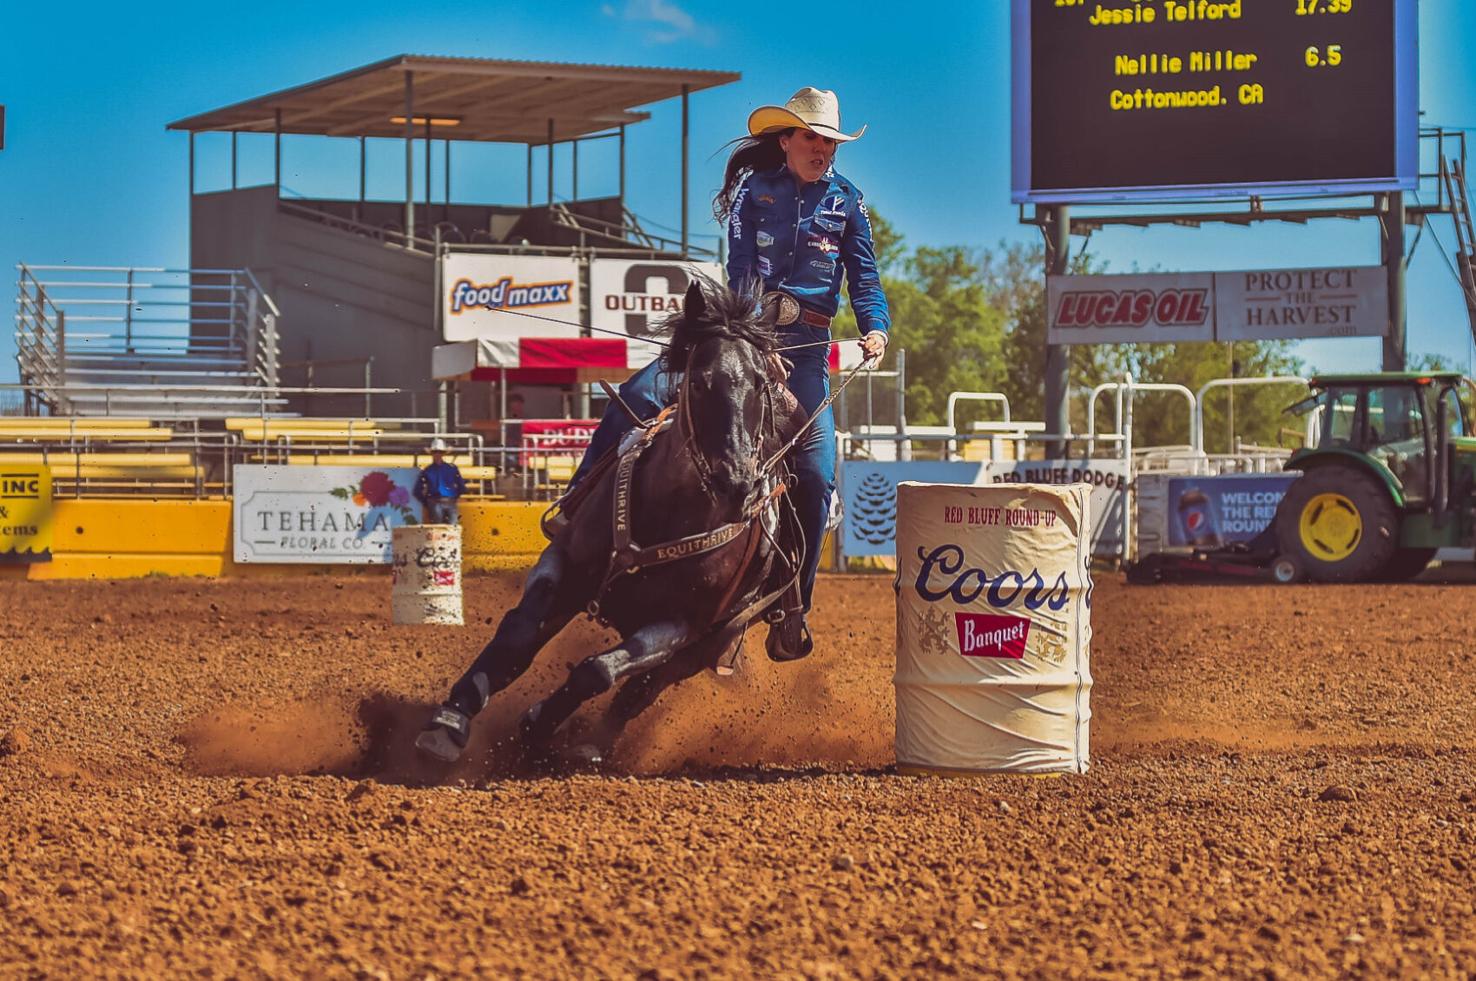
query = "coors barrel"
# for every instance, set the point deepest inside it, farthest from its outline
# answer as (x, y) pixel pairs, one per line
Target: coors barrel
(993, 628)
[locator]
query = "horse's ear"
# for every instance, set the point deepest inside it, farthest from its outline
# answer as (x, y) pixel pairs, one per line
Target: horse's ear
(694, 307)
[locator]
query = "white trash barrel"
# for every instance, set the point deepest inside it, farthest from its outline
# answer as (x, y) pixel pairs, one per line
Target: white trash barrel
(993, 628)
(427, 574)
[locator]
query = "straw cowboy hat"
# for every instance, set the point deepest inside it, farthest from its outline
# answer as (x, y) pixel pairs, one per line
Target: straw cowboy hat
(817, 110)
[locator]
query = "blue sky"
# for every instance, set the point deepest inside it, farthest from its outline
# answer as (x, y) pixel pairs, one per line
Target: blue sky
(89, 175)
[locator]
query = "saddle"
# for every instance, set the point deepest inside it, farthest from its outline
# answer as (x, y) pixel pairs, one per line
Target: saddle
(780, 591)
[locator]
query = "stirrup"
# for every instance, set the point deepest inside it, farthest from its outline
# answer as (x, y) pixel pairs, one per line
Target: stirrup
(790, 639)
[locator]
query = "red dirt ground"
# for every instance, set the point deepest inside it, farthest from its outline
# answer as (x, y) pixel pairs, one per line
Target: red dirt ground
(211, 778)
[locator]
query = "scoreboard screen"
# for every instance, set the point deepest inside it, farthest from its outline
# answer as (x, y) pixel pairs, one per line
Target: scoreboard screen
(1121, 100)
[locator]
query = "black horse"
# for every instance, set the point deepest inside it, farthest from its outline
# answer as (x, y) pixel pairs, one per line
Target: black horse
(703, 493)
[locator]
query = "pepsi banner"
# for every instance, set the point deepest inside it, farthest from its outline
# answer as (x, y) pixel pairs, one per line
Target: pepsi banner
(1208, 512)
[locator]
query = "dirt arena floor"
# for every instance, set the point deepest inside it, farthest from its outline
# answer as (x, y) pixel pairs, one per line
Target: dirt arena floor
(212, 779)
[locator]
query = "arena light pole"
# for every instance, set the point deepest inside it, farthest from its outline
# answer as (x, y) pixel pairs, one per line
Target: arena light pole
(409, 155)
(1394, 266)
(686, 133)
(1056, 223)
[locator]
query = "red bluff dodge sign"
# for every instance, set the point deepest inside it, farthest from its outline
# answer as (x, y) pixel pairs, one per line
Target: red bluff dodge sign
(1341, 301)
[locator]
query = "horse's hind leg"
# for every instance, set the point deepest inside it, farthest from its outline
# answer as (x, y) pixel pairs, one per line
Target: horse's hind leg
(545, 607)
(641, 692)
(646, 649)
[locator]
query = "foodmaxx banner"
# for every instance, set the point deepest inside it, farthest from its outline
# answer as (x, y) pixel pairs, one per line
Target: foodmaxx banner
(868, 492)
(320, 515)
(25, 514)
(632, 296)
(481, 295)
(1269, 304)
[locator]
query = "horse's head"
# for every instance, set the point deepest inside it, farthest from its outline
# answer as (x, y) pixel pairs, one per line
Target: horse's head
(720, 342)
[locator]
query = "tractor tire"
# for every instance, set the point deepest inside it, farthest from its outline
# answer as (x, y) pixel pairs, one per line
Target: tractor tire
(1339, 524)
(1406, 564)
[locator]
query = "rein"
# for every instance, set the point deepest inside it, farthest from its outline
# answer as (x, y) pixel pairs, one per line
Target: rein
(627, 556)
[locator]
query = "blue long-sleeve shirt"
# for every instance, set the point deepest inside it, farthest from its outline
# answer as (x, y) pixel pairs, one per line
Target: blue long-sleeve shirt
(800, 240)
(439, 480)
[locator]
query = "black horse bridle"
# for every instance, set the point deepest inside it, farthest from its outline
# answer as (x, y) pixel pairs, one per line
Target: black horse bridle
(686, 419)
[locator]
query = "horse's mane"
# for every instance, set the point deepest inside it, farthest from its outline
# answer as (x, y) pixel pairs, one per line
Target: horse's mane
(731, 313)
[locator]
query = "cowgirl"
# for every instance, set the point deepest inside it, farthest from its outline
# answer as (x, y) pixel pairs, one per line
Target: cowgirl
(796, 226)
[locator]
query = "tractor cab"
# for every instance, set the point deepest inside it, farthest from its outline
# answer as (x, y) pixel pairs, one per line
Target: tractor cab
(1387, 475)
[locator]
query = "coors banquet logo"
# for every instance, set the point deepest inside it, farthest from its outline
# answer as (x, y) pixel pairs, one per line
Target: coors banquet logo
(1133, 308)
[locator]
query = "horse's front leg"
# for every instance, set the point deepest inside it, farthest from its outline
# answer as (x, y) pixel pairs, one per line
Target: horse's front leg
(546, 607)
(648, 648)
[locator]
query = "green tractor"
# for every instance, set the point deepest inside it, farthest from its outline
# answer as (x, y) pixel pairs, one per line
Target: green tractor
(1390, 479)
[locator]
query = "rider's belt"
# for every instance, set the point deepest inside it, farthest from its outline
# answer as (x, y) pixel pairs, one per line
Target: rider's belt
(791, 312)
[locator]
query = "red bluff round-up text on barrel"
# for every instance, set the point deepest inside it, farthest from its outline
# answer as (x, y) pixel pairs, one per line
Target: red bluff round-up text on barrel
(427, 575)
(993, 628)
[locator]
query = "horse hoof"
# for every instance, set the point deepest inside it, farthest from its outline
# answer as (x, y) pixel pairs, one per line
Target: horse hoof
(444, 736)
(585, 756)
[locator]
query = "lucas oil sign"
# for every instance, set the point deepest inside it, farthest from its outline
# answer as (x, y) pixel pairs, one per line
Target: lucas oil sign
(25, 514)
(1273, 304)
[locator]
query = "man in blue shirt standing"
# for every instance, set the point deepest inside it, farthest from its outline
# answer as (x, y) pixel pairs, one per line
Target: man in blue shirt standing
(439, 486)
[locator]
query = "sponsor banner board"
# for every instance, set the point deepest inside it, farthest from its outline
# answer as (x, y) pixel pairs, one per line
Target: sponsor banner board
(1280, 304)
(1136, 308)
(25, 514)
(563, 437)
(478, 291)
(321, 515)
(1207, 512)
(869, 493)
(632, 296)
(1265, 304)
(1108, 480)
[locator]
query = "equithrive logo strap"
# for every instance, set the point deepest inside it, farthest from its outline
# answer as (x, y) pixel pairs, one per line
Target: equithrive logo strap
(506, 294)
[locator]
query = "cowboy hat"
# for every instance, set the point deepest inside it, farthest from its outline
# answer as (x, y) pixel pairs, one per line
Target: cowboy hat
(438, 445)
(817, 110)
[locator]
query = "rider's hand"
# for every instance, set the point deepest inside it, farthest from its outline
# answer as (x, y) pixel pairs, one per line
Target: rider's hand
(774, 364)
(874, 344)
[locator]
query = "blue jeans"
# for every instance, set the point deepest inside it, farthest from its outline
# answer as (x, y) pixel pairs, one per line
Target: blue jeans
(651, 389)
(442, 511)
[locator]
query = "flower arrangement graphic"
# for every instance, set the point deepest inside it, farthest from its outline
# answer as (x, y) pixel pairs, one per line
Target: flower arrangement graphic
(378, 490)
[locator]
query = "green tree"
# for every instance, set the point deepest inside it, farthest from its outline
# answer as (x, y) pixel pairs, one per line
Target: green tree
(975, 320)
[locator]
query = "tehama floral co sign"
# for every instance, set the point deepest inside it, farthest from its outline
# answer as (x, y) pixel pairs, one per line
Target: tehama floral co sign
(324, 515)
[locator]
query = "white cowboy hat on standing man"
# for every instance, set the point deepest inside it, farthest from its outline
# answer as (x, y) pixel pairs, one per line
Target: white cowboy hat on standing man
(817, 110)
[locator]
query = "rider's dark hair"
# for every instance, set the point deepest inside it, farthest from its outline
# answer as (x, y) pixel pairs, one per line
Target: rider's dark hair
(750, 153)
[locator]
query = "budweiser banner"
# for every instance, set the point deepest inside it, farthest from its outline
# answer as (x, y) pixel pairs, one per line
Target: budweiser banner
(1269, 304)
(633, 296)
(993, 627)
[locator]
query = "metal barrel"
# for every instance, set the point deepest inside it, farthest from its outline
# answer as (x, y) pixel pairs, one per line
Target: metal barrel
(427, 575)
(993, 628)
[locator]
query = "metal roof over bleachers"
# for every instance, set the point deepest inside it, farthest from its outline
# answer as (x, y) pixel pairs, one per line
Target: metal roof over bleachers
(462, 99)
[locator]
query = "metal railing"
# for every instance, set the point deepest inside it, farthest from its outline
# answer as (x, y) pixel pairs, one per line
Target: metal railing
(114, 323)
(626, 238)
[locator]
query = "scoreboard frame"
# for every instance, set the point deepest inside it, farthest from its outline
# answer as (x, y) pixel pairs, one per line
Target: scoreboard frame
(1404, 135)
